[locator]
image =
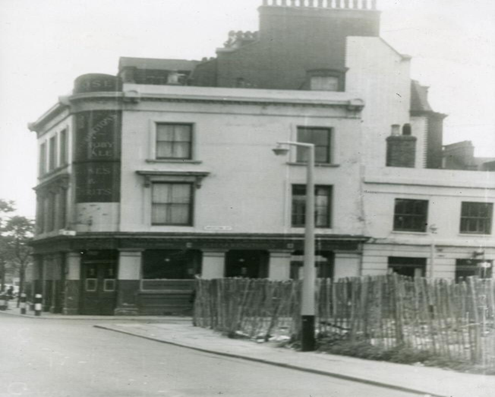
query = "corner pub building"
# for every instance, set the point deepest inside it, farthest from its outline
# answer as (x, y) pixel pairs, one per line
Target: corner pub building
(165, 172)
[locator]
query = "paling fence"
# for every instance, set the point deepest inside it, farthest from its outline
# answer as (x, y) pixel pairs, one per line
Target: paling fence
(454, 320)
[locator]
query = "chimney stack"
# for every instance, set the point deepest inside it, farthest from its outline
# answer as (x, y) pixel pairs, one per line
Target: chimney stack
(336, 4)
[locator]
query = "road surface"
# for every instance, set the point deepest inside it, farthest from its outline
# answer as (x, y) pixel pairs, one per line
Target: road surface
(71, 358)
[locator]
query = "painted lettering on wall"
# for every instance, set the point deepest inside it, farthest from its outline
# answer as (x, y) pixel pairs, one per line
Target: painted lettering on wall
(95, 82)
(97, 156)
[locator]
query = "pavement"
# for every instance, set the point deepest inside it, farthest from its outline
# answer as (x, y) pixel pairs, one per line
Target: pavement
(179, 331)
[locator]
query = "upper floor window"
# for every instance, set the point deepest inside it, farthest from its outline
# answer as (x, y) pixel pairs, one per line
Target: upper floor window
(63, 148)
(410, 215)
(174, 141)
(476, 218)
(52, 160)
(42, 158)
(172, 204)
(321, 138)
(323, 198)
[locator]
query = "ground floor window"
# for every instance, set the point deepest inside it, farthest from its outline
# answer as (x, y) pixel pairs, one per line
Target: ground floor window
(410, 267)
(247, 263)
(472, 267)
(171, 264)
(324, 262)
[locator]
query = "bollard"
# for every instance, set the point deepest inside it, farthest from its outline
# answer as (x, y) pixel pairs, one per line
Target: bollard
(37, 305)
(23, 303)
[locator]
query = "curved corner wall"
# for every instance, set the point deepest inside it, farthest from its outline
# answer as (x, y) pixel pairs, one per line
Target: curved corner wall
(97, 157)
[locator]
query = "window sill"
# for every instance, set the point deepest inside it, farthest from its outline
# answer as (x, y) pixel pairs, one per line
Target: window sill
(474, 235)
(411, 232)
(169, 225)
(299, 228)
(178, 161)
(323, 165)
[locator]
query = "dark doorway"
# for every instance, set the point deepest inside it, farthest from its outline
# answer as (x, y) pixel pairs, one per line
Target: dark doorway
(247, 263)
(99, 282)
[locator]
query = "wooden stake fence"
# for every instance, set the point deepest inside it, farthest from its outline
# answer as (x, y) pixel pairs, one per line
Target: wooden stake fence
(454, 320)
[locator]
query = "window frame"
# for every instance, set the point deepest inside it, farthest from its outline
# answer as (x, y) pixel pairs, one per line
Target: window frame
(487, 221)
(157, 125)
(43, 158)
(300, 152)
(63, 147)
(472, 268)
(191, 203)
(413, 216)
(329, 206)
(52, 153)
(397, 263)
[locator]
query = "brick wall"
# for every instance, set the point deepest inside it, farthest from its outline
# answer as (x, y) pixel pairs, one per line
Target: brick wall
(292, 41)
(401, 151)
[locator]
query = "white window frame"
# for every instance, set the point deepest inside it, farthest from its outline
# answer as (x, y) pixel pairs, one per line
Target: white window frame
(153, 127)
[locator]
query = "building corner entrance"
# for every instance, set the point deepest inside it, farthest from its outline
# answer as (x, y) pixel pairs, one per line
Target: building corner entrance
(99, 282)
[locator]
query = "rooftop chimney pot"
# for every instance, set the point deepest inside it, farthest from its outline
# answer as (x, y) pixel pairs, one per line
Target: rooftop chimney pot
(334, 4)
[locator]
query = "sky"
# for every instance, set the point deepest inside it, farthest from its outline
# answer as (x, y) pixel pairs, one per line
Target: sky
(46, 44)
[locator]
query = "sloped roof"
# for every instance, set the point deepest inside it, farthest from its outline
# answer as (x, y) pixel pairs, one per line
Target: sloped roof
(419, 98)
(157, 64)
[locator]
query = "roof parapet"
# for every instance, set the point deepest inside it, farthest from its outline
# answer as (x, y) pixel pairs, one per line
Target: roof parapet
(336, 4)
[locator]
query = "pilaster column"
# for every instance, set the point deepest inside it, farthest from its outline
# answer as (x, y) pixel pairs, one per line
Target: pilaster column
(213, 264)
(72, 284)
(279, 268)
(347, 264)
(55, 303)
(129, 277)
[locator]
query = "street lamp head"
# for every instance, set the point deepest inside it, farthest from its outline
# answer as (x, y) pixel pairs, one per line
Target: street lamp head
(280, 151)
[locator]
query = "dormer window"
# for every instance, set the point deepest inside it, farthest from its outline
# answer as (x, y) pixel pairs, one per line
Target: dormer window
(326, 80)
(324, 83)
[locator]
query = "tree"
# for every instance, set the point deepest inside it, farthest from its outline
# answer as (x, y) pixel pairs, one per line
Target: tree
(15, 234)
(6, 207)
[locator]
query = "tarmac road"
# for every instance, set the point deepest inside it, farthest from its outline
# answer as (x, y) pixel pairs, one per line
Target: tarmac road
(71, 358)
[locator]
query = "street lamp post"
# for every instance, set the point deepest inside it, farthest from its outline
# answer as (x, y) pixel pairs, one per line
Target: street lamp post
(433, 231)
(308, 286)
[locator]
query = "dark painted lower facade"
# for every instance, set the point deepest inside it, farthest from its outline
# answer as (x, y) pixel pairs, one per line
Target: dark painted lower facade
(153, 274)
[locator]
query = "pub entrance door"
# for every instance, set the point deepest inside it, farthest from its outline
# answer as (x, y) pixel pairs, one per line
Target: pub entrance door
(99, 283)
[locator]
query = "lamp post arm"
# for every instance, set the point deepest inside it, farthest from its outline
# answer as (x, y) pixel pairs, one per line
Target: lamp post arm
(292, 143)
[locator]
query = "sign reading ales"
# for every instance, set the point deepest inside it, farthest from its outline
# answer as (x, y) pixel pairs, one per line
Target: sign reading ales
(97, 156)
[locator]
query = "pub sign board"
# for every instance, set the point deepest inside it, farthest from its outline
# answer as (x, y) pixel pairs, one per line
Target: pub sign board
(97, 156)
